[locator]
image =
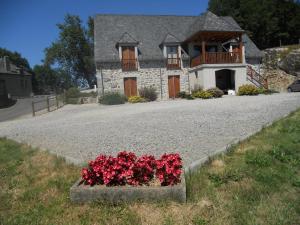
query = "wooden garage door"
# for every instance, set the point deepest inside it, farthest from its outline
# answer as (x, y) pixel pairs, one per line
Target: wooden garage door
(174, 86)
(130, 88)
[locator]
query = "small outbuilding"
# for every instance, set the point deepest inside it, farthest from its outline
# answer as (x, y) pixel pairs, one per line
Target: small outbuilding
(14, 81)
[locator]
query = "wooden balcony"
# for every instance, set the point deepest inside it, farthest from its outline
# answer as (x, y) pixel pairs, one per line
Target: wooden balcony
(173, 63)
(217, 58)
(129, 64)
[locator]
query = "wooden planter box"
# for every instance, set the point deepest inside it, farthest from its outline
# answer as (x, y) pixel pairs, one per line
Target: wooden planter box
(80, 193)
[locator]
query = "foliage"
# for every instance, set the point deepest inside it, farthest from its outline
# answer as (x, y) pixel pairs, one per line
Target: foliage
(215, 92)
(73, 92)
(202, 94)
(197, 88)
(112, 98)
(189, 97)
(73, 51)
(267, 21)
(266, 91)
(136, 99)
(182, 94)
(126, 168)
(15, 58)
(248, 89)
(148, 93)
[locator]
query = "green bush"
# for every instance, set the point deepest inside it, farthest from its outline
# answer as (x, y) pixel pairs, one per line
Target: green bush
(265, 91)
(182, 94)
(189, 97)
(148, 93)
(216, 92)
(136, 99)
(73, 92)
(202, 94)
(72, 101)
(89, 94)
(248, 89)
(112, 98)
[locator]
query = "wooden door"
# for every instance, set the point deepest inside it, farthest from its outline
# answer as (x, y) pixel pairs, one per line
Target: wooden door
(174, 86)
(128, 58)
(130, 87)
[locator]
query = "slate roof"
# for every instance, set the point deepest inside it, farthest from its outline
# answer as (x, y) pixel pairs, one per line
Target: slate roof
(251, 50)
(13, 69)
(169, 38)
(150, 32)
(127, 39)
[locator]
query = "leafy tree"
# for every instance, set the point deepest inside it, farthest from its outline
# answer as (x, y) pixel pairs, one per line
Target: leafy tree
(266, 21)
(46, 80)
(16, 58)
(72, 53)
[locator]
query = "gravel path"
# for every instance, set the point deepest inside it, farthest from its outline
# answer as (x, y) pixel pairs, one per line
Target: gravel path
(194, 128)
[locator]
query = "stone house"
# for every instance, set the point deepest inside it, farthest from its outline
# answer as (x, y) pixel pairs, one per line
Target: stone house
(171, 53)
(14, 81)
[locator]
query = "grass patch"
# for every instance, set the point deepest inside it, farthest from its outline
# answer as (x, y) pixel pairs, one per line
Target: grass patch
(256, 182)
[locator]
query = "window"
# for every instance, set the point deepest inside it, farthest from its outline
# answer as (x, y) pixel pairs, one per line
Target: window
(129, 61)
(173, 61)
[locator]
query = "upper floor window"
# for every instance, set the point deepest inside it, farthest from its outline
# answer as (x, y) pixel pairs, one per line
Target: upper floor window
(173, 59)
(129, 59)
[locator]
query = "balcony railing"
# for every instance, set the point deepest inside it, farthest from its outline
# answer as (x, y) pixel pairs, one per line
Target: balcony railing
(129, 64)
(217, 58)
(173, 63)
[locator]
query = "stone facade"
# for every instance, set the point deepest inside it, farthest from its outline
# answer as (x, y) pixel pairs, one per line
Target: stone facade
(154, 73)
(150, 73)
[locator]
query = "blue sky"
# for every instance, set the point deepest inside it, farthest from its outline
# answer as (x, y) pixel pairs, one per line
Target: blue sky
(29, 26)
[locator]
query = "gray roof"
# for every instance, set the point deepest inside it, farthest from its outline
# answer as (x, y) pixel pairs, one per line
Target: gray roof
(127, 38)
(150, 32)
(251, 50)
(211, 22)
(170, 38)
(13, 69)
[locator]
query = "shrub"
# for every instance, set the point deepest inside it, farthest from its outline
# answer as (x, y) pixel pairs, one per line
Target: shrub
(189, 97)
(126, 168)
(136, 99)
(248, 89)
(202, 94)
(148, 93)
(216, 92)
(182, 94)
(112, 98)
(73, 92)
(197, 88)
(266, 91)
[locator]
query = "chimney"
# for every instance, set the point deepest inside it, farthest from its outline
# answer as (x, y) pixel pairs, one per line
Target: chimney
(6, 63)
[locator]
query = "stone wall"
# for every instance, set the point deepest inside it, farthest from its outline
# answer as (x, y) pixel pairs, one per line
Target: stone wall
(150, 73)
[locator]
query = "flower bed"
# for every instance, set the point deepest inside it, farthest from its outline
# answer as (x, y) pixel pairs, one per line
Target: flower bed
(128, 169)
(128, 178)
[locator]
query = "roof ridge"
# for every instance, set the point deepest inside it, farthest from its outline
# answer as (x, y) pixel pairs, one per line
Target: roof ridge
(146, 15)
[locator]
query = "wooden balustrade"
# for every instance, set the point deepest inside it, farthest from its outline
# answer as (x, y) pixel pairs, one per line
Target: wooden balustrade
(129, 64)
(173, 63)
(217, 58)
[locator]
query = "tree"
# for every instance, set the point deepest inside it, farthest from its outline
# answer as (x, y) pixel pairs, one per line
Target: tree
(46, 80)
(16, 58)
(268, 22)
(72, 53)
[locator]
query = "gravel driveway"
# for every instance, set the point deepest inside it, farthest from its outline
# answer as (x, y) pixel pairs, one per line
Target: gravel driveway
(194, 128)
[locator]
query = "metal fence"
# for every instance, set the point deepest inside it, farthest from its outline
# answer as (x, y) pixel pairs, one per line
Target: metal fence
(47, 104)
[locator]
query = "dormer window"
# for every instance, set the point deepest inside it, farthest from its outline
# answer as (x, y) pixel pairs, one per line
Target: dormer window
(129, 59)
(173, 58)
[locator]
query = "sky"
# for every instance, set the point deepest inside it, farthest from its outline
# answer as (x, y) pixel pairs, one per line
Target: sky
(29, 26)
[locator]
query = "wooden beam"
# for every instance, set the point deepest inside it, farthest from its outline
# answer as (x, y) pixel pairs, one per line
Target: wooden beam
(241, 48)
(203, 51)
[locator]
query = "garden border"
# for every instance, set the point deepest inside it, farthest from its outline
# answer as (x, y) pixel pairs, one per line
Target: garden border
(80, 193)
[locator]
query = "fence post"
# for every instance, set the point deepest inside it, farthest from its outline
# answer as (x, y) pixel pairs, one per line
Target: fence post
(56, 101)
(33, 112)
(48, 106)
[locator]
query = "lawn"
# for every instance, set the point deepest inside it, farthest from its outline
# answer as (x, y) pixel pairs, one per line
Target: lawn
(255, 182)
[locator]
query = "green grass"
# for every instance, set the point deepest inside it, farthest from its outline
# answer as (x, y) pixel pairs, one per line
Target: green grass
(255, 182)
